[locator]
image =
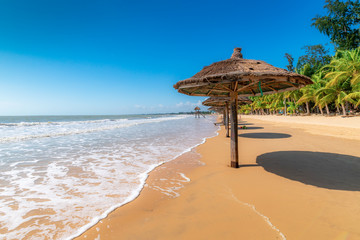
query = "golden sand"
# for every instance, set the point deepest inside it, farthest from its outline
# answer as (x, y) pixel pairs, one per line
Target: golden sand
(336, 126)
(295, 183)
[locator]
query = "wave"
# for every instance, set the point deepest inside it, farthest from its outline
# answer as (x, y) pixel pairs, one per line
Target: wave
(136, 192)
(28, 124)
(77, 127)
(71, 180)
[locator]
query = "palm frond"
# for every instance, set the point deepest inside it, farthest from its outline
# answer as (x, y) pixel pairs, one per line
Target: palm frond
(356, 79)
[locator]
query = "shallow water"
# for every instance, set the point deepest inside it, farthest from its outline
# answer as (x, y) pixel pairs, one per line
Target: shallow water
(61, 174)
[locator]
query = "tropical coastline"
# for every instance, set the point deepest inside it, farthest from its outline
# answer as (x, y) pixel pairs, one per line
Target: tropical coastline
(298, 185)
(140, 120)
(67, 167)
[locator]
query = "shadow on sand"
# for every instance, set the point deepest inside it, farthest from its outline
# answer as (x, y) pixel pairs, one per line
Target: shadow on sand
(248, 165)
(250, 128)
(325, 170)
(265, 135)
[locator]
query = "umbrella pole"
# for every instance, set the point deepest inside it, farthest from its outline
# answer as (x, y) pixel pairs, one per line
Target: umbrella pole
(227, 119)
(224, 117)
(234, 131)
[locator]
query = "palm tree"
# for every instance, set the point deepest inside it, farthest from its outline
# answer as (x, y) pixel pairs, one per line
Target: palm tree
(259, 105)
(246, 108)
(355, 96)
(334, 94)
(292, 108)
(337, 82)
(344, 78)
(344, 66)
(278, 102)
(322, 98)
(310, 92)
(293, 96)
(307, 96)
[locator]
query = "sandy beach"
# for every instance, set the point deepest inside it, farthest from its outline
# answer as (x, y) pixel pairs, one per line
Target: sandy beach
(112, 114)
(299, 179)
(336, 126)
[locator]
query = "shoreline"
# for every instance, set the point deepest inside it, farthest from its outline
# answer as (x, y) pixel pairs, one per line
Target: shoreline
(221, 202)
(149, 176)
(149, 193)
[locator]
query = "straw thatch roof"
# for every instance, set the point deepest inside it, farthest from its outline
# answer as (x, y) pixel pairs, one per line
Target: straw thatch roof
(216, 109)
(196, 108)
(220, 101)
(218, 79)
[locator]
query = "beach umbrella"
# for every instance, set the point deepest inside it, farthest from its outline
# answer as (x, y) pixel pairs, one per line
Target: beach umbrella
(221, 101)
(224, 102)
(216, 109)
(219, 110)
(237, 76)
(197, 112)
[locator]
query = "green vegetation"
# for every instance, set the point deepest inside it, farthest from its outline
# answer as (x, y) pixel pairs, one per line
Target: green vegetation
(336, 89)
(315, 58)
(336, 79)
(341, 24)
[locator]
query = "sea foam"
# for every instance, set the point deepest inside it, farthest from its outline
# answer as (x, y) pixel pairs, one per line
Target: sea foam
(60, 185)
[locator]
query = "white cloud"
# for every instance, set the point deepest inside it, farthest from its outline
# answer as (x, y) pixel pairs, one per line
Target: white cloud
(180, 104)
(188, 104)
(139, 106)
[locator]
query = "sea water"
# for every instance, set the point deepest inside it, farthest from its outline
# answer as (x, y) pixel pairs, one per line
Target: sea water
(61, 174)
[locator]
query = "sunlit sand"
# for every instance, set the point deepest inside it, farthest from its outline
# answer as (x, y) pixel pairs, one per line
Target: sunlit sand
(293, 184)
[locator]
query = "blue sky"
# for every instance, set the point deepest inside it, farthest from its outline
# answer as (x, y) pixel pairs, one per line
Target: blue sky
(123, 57)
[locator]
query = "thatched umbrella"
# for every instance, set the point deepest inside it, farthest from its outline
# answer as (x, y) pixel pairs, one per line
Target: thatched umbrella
(197, 112)
(216, 109)
(219, 110)
(238, 76)
(221, 101)
(224, 102)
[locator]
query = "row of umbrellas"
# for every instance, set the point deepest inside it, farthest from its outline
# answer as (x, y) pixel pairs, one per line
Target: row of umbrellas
(222, 104)
(237, 77)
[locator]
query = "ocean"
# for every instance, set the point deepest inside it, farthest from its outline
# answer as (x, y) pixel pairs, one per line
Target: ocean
(59, 175)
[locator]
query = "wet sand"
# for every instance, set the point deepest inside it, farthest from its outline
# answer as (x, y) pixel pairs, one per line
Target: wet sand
(294, 183)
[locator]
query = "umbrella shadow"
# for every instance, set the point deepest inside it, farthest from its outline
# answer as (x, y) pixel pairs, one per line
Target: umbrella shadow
(250, 128)
(241, 124)
(320, 169)
(265, 135)
(249, 165)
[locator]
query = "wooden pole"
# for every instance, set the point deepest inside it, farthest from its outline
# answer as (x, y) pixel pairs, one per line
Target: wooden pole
(234, 131)
(227, 119)
(224, 117)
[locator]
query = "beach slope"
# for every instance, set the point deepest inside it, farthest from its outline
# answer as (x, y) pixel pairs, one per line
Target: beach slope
(293, 184)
